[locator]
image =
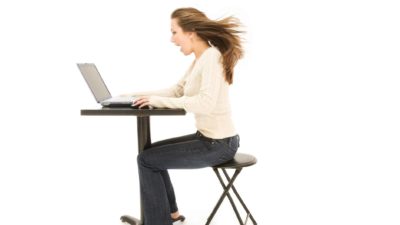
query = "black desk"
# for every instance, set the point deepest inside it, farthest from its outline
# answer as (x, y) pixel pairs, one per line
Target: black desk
(143, 131)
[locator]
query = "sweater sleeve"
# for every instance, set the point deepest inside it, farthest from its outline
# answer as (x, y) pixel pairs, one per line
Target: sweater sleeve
(205, 101)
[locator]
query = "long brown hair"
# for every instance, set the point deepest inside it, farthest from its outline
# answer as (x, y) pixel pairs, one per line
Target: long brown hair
(223, 34)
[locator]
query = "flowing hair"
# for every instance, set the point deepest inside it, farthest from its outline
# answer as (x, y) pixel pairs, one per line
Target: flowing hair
(223, 34)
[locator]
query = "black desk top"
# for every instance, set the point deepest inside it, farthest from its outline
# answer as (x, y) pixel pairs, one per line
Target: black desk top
(127, 111)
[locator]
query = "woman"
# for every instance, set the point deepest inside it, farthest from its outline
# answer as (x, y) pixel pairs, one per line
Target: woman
(203, 91)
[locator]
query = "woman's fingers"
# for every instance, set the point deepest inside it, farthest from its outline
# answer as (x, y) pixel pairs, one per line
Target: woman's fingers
(141, 102)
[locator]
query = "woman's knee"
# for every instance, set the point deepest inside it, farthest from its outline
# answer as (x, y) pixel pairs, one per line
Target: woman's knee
(144, 159)
(140, 159)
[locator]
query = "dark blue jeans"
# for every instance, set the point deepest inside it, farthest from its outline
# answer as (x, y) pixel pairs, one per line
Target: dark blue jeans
(186, 152)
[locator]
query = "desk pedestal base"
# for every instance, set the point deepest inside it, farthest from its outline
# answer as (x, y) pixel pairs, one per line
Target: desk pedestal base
(131, 220)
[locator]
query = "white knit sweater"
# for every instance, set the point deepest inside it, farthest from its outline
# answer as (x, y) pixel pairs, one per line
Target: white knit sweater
(202, 91)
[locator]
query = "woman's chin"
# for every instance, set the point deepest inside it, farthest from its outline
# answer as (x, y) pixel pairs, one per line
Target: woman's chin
(185, 52)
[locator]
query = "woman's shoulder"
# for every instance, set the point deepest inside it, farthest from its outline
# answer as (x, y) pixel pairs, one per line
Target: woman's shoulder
(212, 53)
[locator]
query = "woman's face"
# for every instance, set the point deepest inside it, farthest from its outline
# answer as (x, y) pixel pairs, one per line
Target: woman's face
(181, 38)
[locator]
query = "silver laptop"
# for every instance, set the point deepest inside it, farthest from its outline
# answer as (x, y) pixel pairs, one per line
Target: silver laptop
(99, 88)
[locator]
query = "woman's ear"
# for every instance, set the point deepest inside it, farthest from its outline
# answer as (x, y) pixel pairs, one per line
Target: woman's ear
(191, 35)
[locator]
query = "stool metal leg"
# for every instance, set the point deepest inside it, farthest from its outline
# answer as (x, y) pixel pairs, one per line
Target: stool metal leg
(229, 196)
(223, 194)
(240, 199)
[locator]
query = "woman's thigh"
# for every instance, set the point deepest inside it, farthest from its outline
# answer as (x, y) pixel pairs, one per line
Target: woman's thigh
(189, 153)
(184, 138)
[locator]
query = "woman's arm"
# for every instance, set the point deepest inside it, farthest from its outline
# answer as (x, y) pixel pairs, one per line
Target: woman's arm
(203, 102)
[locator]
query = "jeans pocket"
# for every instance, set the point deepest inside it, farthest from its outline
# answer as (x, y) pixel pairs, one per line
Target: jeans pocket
(232, 143)
(226, 153)
(235, 142)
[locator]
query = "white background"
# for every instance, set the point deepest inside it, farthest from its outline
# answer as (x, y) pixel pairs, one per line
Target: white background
(316, 100)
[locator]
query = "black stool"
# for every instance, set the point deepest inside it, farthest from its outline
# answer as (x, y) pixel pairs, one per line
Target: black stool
(238, 162)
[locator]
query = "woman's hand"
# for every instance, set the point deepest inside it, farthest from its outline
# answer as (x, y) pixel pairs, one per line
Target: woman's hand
(142, 101)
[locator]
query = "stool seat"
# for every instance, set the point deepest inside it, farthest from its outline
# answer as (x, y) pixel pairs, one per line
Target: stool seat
(240, 160)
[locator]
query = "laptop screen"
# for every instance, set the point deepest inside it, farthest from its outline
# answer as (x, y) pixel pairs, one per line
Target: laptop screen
(94, 81)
